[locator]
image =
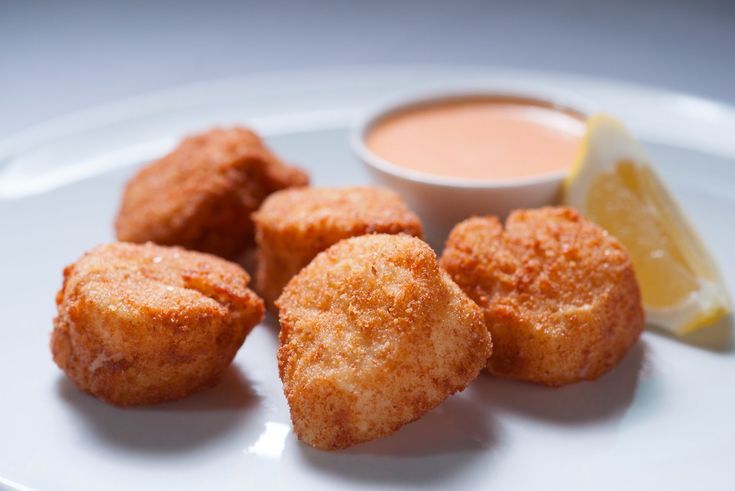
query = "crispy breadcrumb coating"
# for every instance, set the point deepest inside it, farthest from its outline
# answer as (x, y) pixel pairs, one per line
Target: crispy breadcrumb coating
(200, 196)
(143, 324)
(295, 225)
(373, 335)
(559, 293)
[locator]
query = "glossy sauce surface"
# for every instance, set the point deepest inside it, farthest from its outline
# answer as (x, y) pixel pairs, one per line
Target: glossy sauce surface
(483, 139)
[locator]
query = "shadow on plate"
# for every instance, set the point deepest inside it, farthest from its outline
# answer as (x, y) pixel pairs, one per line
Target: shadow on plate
(431, 449)
(172, 427)
(247, 260)
(717, 337)
(585, 402)
(271, 321)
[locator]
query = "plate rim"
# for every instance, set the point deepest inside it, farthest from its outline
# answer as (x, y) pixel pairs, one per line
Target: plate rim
(275, 81)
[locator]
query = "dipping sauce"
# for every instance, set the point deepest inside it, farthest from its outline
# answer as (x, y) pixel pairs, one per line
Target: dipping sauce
(479, 138)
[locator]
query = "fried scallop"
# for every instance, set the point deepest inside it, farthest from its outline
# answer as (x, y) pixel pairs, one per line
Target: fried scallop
(373, 335)
(144, 324)
(559, 293)
(295, 225)
(201, 195)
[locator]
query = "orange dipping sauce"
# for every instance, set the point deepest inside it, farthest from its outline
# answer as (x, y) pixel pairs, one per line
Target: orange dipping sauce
(479, 138)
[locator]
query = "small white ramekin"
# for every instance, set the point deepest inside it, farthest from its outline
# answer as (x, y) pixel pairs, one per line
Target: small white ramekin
(441, 202)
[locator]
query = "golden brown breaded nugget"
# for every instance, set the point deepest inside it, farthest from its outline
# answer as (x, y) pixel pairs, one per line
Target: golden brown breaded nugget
(200, 196)
(373, 335)
(295, 225)
(143, 324)
(559, 294)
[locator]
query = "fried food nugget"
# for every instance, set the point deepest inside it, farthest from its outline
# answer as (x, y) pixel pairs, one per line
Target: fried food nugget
(373, 335)
(295, 225)
(144, 324)
(560, 296)
(200, 196)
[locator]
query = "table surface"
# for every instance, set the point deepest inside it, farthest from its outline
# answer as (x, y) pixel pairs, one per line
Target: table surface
(58, 57)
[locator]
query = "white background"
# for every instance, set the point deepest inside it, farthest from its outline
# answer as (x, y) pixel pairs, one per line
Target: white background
(61, 56)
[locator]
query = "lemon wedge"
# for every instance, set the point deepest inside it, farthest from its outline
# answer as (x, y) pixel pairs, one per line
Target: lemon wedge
(614, 185)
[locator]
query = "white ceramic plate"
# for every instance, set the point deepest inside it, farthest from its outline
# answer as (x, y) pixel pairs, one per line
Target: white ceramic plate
(663, 419)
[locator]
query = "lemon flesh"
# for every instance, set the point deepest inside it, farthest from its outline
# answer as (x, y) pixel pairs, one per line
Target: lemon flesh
(613, 184)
